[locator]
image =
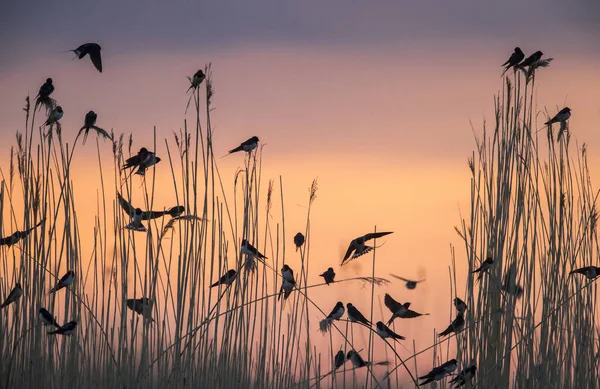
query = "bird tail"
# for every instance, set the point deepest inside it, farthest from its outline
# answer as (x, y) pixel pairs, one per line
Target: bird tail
(51, 291)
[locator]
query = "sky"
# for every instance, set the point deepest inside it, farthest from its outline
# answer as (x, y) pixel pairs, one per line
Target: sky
(378, 101)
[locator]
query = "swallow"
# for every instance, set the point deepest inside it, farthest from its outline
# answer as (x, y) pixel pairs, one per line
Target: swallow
(590, 272)
(250, 250)
(437, 373)
(66, 329)
(47, 318)
(65, 281)
(337, 312)
(358, 362)
(340, 358)
(509, 282)
(196, 79)
(354, 315)
(246, 146)
(226, 279)
(90, 123)
(409, 283)
(485, 266)
(45, 90)
(514, 60)
(55, 115)
(456, 326)
(533, 58)
(298, 240)
(385, 332)
(286, 288)
(147, 215)
(142, 161)
(328, 276)
(136, 223)
(399, 310)
(562, 116)
(141, 306)
(460, 306)
(358, 245)
(287, 273)
(18, 235)
(465, 375)
(13, 296)
(93, 49)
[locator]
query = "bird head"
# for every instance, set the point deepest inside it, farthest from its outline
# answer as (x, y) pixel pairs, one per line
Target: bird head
(143, 150)
(59, 109)
(49, 80)
(138, 211)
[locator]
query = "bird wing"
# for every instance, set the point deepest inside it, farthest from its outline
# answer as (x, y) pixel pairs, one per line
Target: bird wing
(351, 248)
(400, 278)
(392, 304)
(96, 58)
(411, 314)
(374, 235)
(126, 205)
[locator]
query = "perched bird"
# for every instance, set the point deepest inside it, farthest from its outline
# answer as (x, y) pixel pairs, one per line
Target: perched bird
(460, 306)
(226, 279)
(409, 283)
(485, 266)
(399, 310)
(358, 245)
(562, 116)
(142, 161)
(147, 215)
(141, 306)
(47, 318)
(437, 373)
(93, 49)
(65, 329)
(18, 235)
(533, 58)
(55, 115)
(340, 359)
(298, 240)
(45, 90)
(328, 276)
(509, 282)
(250, 250)
(246, 146)
(590, 272)
(13, 296)
(287, 273)
(65, 281)
(286, 288)
(196, 79)
(456, 326)
(337, 312)
(357, 360)
(90, 123)
(385, 332)
(465, 375)
(514, 60)
(354, 315)
(136, 223)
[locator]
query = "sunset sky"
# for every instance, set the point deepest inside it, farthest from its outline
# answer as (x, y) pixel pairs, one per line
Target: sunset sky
(376, 100)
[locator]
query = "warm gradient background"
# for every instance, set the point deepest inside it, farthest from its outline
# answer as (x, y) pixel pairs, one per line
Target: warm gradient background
(379, 101)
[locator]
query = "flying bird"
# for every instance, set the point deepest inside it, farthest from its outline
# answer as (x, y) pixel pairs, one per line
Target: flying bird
(385, 332)
(514, 60)
(337, 312)
(533, 58)
(590, 272)
(358, 247)
(562, 116)
(298, 240)
(141, 306)
(93, 49)
(136, 223)
(465, 375)
(485, 266)
(18, 235)
(328, 276)
(55, 115)
(250, 250)
(286, 288)
(142, 161)
(226, 279)
(409, 283)
(399, 310)
(340, 359)
(147, 215)
(65, 281)
(456, 326)
(460, 306)
(196, 79)
(90, 123)
(47, 318)
(437, 373)
(246, 146)
(13, 296)
(354, 315)
(287, 273)
(66, 329)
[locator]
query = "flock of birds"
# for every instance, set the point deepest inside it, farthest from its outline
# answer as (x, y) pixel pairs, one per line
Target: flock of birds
(145, 159)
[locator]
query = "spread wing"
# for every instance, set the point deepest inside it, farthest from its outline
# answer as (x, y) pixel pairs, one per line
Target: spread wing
(392, 304)
(412, 314)
(351, 248)
(96, 58)
(374, 235)
(126, 205)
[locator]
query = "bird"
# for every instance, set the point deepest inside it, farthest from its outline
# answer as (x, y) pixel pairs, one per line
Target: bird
(298, 240)
(358, 245)
(562, 116)
(460, 306)
(357, 360)
(90, 123)
(385, 332)
(399, 310)
(250, 250)
(337, 312)
(142, 160)
(136, 223)
(13, 296)
(485, 266)
(465, 375)
(354, 315)
(65, 329)
(509, 282)
(286, 288)
(409, 283)
(516, 57)
(287, 273)
(65, 281)
(226, 279)
(456, 326)
(18, 235)
(93, 49)
(141, 306)
(196, 79)
(340, 359)
(55, 115)
(590, 272)
(47, 318)
(246, 146)
(437, 373)
(533, 58)
(328, 276)
(45, 90)
(147, 215)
